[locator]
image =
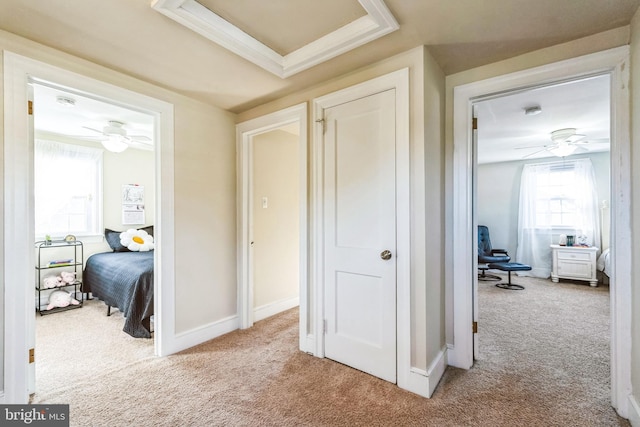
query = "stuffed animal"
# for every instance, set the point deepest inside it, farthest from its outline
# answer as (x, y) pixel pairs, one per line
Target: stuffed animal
(67, 277)
(51, 282)
(61, 299)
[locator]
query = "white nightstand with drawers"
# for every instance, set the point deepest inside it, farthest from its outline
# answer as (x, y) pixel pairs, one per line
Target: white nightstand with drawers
(574, 262)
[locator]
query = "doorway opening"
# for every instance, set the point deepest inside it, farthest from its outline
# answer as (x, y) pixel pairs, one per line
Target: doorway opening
(613, 62)
(531, 190)
(19, 238)
(87, 151)
(272, 215)
(275, 220)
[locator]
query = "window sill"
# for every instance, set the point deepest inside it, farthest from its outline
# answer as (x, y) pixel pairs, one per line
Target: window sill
(93, 238)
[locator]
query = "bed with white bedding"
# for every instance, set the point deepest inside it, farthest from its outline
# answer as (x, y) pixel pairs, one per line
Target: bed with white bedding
(603, 263)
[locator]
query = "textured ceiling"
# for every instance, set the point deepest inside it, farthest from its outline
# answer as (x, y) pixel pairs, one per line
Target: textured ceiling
(129, 36)
(506, 133)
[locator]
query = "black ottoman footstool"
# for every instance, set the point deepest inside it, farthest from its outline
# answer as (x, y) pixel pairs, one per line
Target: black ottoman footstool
(510, 266)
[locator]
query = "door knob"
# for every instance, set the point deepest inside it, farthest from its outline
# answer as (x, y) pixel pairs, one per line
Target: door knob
(385, 255)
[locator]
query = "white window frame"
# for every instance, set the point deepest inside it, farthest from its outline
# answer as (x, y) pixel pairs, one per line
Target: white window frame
(95, 231)
(552, 225)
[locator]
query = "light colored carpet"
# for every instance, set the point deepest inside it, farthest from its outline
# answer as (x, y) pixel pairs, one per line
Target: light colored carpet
(77, 345)
(543, 362)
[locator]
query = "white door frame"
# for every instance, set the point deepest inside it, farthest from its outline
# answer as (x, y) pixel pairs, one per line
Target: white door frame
(407, 378)
(245, 132)
(461, 272)
(18, 211)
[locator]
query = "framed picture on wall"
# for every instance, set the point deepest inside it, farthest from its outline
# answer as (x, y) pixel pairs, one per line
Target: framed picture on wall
(132, 204)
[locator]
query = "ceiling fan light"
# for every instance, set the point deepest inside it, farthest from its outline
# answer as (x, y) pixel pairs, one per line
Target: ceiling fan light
(115, 144)
(563, 150)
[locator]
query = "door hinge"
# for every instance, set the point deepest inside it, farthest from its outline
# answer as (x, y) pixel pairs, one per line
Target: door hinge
(30, 108)
(475, 327)
(323, 123)
(324, 326)
(32, 355)
(474, 123)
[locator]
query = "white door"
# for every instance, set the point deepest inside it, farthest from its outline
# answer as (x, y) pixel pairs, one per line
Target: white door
(360, 234)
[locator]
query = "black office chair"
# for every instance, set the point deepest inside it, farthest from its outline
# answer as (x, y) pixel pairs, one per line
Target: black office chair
(486, 254)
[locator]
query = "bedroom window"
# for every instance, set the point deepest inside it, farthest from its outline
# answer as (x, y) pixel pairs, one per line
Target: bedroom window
(559, 195)
(555, 198)
(67, 190)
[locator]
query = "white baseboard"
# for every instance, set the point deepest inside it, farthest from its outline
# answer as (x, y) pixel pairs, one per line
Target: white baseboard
(185, 340)
(423, 383)
(634, 411)
(188, 339)
(2, 402)
(308, 344)
(437, 368)
(452, 357)
(268, 310)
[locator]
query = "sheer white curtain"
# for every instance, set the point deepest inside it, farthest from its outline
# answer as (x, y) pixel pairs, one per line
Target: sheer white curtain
(533, 238)
(588, 222)
(66, 177)
(555, 198)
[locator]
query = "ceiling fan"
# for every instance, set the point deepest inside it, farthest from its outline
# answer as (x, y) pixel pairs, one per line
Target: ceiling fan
(115, 137)
(564, 143)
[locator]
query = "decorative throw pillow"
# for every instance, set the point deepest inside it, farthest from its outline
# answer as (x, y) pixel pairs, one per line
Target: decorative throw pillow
(137, 240)
(113, 238)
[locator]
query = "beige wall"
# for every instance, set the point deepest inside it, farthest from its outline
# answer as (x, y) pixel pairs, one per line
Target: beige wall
(602, 41)
(635, 217)
(205, 216)
(276, 227)
(426, 106)
(434, 208)
(204, 162)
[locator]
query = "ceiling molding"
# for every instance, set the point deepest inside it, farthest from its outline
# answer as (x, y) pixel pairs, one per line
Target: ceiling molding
(378, 22)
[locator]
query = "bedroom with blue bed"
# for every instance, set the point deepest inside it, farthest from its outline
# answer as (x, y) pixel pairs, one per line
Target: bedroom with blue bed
(94, 182)
(123, 279)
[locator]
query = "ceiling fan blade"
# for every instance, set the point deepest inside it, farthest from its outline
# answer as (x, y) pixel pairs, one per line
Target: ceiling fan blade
(89, 137)
(535, 152)
(580, 150)
(140, 138)
(95, 130)
(594, 141)
(529, 146)
(575, 138)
